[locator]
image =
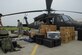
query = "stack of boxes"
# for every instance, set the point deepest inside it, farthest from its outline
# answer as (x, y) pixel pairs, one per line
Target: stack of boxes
(52, 27)
(67, 34)
(45, 28)
(49, 42)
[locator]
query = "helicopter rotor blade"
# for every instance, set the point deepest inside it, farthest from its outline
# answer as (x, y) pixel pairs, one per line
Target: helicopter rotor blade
(69, 11)
(23, 12)
(48, 5)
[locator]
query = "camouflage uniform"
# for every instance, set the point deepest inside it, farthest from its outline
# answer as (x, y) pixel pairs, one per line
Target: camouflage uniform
(20, 28)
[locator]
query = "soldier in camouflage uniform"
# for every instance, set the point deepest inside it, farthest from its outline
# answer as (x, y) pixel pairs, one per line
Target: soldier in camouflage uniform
(20, 27)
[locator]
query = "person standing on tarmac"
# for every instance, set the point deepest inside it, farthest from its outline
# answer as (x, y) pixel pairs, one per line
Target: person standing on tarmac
(20, 28)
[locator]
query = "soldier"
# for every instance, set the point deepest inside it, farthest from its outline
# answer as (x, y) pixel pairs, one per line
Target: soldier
(20, 28)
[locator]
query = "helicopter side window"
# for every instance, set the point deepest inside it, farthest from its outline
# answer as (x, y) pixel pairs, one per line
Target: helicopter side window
(36, 23)
(53, 20)
(65, 18)
(59, 19)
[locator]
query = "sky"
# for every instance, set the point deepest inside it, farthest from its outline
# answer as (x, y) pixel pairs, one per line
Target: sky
(12, 6)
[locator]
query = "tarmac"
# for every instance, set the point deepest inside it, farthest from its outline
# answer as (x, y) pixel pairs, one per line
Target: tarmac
(71, 48)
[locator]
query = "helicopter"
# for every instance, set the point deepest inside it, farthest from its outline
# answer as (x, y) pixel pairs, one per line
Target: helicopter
(50, 18)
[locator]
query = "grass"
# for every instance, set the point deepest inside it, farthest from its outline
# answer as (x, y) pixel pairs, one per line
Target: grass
(14, 28)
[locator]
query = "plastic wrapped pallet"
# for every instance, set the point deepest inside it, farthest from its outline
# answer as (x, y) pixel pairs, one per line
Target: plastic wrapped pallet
(52, 27)
(67, 34)
(47, 28)
(43, 26)
(42, 31)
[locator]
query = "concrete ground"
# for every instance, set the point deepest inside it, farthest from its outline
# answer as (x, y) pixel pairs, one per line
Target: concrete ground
(71, 48)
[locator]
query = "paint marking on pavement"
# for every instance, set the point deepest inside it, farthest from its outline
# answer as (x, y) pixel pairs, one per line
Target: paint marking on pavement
(34, 49)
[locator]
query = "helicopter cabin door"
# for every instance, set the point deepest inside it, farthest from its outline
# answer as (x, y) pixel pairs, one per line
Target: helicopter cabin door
(59, 21)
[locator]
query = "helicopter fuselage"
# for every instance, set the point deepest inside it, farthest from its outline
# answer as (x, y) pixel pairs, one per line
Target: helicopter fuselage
(55, 19)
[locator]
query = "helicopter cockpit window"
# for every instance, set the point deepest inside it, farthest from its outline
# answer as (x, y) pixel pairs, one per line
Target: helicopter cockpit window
(65, 18)
(70, 18)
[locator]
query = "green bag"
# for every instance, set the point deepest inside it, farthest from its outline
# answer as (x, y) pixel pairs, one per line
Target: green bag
(7, 45)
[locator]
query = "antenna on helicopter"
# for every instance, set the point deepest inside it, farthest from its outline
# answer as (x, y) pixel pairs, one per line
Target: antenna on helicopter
(0, 20)
(25, 17)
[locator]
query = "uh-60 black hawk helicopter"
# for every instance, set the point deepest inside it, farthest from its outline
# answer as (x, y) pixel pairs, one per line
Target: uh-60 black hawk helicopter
(50, 18)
